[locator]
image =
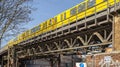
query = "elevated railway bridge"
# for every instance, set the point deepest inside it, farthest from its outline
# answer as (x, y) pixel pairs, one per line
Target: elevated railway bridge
(92, 33)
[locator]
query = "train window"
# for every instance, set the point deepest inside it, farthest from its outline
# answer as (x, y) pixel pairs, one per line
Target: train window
(55, 19)
(91, 3)
(81, 7)
(73, 11)
(61, 17)
(64, 16)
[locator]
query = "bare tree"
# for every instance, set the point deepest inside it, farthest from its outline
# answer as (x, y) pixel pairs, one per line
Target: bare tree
(13, 14)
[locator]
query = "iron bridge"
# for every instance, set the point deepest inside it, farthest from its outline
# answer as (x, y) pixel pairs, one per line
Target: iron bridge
(94, 31)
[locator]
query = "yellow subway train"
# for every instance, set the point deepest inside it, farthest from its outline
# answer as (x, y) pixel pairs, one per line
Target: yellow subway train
(83, 9)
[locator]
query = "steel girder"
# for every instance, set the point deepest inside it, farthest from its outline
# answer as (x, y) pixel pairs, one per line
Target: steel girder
(100, 37)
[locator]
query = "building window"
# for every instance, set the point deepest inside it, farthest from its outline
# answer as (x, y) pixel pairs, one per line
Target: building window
(91, 3)
(73, 11)
(81, 7)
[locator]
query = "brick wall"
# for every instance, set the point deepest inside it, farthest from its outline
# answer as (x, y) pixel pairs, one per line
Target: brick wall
(104, 60)
(116, 36)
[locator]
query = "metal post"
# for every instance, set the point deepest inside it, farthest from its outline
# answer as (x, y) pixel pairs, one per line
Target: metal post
(14, 58)
(72, 61)
(8, 60)
(115, 5)
(51, 62)
(76, 22)
(93, 61)
(108, 10)
(2, 64)
(59, 60)
(17, 62)
(11, 57)
(85, 17)
(119, 3)
(95, 15)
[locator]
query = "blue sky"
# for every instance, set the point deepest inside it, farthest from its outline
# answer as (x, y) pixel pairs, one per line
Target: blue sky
(45, 9)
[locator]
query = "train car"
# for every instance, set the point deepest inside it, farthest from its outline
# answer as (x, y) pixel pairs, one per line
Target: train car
(78, 12)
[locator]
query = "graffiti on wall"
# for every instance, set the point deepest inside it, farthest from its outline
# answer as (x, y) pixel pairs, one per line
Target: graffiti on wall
(108, 61)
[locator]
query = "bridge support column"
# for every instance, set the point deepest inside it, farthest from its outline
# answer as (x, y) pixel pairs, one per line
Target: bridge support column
(51, 62)
(55, 61)
(12, 58)
(116, 34)
(17, 64)
(58, 61)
